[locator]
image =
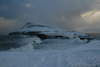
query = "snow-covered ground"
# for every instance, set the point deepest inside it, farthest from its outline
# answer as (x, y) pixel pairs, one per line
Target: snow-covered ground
(73, 53)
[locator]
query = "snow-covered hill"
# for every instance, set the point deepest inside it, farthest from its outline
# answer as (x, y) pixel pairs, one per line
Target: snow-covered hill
(46, 31)
(38, 27)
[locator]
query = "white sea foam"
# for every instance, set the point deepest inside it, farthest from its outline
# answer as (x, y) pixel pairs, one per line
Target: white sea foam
(29, 44)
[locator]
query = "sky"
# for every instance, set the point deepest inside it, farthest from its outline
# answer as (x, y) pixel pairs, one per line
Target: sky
(74, 15)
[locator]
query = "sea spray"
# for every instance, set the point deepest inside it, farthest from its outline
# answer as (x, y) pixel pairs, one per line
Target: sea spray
(29, 44)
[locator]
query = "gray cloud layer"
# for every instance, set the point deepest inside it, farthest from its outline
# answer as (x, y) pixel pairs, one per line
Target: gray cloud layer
(63, 13)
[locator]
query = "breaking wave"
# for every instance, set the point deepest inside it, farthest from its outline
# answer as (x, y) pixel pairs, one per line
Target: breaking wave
(26, 48)
(30, 44)
(27, 44)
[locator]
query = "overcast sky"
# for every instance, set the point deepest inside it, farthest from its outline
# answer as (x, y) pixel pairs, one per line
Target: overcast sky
(75, 15)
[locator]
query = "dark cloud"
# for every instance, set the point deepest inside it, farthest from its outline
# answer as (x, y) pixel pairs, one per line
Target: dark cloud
(43, 8)
(63, 13)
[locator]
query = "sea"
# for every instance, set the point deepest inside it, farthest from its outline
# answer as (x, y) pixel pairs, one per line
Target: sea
(8, 42)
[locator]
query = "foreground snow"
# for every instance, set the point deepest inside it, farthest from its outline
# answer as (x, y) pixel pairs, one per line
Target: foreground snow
(85, 55)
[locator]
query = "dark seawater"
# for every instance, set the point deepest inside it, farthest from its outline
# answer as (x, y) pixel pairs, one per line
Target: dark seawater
(97, 37)
(7, 42)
